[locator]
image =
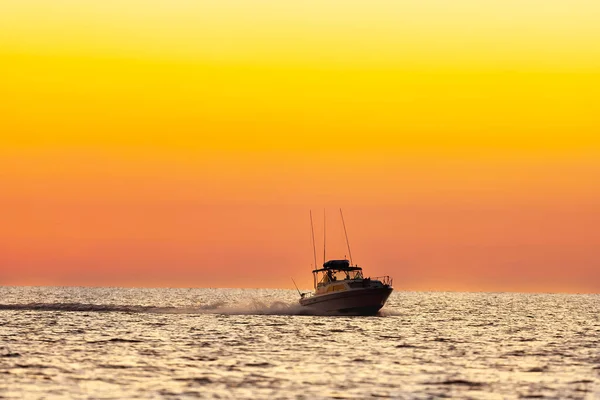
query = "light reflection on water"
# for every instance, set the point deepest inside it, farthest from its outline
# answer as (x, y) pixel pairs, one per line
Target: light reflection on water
(233, 343)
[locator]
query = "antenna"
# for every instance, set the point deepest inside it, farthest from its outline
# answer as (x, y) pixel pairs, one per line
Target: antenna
(312, 229)
(297, 287)
(346, 233)
(324, 224)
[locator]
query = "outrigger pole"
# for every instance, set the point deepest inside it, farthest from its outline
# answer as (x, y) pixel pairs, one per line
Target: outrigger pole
(297, 287)
(346, 233)
(312, 229)
(324, 235)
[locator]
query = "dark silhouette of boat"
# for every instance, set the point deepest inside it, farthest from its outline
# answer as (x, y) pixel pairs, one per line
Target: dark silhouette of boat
(341, 288)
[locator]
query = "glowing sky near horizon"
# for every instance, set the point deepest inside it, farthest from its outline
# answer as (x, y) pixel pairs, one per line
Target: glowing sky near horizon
(182, 143)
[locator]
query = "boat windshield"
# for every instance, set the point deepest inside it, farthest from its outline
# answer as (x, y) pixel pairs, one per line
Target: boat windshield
(337, 275)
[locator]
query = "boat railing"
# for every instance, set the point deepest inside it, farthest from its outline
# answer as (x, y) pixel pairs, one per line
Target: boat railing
(386, 280)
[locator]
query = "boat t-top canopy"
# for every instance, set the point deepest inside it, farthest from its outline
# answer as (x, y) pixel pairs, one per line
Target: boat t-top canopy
(338, 265)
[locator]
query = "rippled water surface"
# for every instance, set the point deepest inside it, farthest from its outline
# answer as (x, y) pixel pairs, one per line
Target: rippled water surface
(231, 343)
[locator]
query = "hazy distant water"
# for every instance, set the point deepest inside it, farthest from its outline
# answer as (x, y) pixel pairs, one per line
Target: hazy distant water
(229, 343)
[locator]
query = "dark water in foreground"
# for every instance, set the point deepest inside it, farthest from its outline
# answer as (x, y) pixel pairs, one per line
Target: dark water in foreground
(228, 343)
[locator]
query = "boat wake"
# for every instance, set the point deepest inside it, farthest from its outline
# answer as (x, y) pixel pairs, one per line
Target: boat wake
(254, 307)
(222, 308)
(386, 312)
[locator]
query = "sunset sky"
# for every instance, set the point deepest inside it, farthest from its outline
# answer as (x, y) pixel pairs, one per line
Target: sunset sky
(183, 143)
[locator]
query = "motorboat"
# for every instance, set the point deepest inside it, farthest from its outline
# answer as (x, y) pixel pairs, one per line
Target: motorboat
(341, 288)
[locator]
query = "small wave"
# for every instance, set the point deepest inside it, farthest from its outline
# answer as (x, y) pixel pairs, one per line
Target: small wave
(10, 355)
(203, 380)
(538, 369)
(515, 353)
(259, 364)
(459, 382)
(115, 366)
(117, 340)
(408, 346)
(389, 337)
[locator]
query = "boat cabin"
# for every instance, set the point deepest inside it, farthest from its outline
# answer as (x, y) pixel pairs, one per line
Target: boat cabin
(336, 270)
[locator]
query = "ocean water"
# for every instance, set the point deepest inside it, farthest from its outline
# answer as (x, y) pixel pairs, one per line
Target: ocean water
(116, 343)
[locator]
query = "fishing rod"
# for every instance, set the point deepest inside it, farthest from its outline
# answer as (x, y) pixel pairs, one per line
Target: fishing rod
(297, 288)
(346, 234)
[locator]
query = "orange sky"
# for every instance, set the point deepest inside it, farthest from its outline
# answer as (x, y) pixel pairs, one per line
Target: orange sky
(182, 143)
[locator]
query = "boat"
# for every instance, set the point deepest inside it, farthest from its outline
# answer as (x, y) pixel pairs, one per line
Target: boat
(340, 288)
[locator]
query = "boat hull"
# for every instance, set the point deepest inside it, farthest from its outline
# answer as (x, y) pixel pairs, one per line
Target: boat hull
(366, 301)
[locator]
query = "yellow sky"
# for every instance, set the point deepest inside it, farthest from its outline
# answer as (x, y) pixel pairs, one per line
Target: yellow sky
(159, 105)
